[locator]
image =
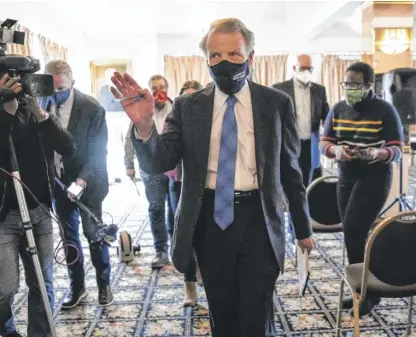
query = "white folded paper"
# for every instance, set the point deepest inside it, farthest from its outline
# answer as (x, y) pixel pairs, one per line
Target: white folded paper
(303, 268)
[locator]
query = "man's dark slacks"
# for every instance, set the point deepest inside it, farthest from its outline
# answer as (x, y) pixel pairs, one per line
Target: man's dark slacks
(238, 267)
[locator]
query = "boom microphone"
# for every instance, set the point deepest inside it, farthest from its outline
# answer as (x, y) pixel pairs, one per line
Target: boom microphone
(105, 233)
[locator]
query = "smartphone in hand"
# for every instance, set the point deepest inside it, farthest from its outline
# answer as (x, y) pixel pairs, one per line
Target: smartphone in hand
(75, 191)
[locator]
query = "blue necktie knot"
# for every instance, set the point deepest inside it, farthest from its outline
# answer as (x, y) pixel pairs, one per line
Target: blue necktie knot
(231, 100)
(224, 190)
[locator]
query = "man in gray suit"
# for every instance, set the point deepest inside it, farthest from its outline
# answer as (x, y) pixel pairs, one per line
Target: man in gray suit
(239, 147)
(84, 118)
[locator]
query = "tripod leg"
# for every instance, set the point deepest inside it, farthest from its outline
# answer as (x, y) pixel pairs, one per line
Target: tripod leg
(32, 250)
(407, 204)
(24, 212)
(395, 201)
(37, 320)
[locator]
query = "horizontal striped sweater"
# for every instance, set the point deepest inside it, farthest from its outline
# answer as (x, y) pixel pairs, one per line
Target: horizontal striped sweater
(371, 123)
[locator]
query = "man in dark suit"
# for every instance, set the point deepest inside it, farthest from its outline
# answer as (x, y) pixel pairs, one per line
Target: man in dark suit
(311, 107)
(84, 118)
(239, 148)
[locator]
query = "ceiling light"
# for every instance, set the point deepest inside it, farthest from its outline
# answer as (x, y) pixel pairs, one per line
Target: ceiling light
(395, 41)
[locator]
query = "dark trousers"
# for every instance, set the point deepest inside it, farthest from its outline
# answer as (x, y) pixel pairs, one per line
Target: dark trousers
(239, 269)
(360, 201)
(305, 161)
(174, 194)
(69, 214)
(156, 189)
(13, 243)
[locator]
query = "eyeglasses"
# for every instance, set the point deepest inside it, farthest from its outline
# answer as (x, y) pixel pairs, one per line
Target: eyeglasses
(352, 85)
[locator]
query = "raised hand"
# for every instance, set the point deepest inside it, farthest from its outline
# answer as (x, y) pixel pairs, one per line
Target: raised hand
(140, 111)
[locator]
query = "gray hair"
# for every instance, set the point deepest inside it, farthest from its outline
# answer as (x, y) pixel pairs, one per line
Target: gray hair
(229, 25)
(59, 67)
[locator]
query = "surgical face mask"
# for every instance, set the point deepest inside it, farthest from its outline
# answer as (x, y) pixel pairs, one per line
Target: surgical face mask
(160, 97)
(354, 96)
(62, 96)
(304, 76)
(228, 76)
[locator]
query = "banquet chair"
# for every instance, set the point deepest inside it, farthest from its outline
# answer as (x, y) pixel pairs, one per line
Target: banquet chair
(323, 207)
(388, 270)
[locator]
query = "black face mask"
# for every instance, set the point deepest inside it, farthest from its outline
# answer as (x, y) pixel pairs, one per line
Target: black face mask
(229, 77)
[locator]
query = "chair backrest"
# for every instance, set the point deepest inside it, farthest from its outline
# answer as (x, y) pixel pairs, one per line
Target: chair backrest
(391, 249)
(322, 199)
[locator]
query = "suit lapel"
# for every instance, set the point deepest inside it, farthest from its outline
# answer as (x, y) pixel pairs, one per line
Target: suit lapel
(262, 126)
(75, 112)
(291, 93)
(202, 116)
(313, 98)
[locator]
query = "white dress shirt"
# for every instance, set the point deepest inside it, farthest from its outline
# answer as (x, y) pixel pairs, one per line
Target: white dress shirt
(159, 116)
(64, 115)
(64, 110)
(303, 109)
(245, 171)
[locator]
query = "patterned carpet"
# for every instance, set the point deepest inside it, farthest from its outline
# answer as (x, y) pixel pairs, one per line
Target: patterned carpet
(148, 304)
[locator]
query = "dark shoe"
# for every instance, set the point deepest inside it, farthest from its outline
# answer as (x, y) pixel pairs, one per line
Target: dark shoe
(366, 306)
(105, 296)
(74, 298)
(347, 303)
(161, 259)
(13, 334)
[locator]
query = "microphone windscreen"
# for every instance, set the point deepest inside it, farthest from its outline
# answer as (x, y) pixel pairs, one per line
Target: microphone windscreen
(111, 230)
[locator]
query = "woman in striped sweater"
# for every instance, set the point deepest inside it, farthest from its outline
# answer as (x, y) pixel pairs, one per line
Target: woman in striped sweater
(365, 135)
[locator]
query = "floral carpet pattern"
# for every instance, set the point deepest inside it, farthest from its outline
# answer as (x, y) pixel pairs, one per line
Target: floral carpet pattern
(149, 303)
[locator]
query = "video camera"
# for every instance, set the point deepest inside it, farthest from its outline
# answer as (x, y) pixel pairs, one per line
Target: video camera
(23, 67)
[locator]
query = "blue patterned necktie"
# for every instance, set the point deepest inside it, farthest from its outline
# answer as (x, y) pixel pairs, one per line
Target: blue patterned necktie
(224, 190)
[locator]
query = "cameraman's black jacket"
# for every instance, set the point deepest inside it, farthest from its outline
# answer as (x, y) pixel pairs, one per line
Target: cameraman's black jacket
(35, 144)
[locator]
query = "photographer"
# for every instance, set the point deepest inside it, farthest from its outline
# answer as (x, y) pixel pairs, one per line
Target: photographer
(36, 136)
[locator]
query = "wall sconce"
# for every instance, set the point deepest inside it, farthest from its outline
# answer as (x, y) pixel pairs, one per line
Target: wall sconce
(394, 41)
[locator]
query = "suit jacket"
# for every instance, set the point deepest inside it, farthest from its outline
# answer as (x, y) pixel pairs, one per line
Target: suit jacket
(319, 111)
(88, 126)
(277, 145)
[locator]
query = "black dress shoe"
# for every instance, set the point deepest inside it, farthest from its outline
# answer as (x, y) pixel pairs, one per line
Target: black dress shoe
(13, 334)
(105, 296)
(367, 305)
(74, 298)
(347, 303)
(161, 259)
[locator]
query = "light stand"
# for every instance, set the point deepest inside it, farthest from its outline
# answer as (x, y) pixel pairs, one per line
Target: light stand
(401, 199)
(27, 226)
